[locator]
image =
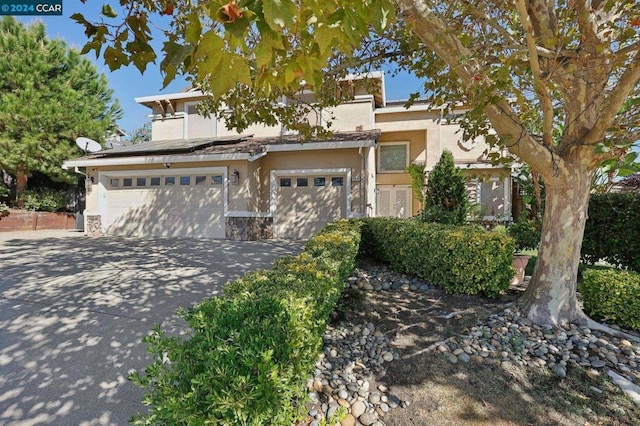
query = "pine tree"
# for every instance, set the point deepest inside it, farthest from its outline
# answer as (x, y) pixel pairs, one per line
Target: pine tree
(446, 200)
(49, 95)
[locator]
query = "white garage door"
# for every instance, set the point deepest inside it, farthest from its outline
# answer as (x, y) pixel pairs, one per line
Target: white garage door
(181, 204)
(305, 203)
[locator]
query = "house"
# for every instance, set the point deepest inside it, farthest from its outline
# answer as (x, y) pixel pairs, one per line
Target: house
(196, 178)
(116, 137)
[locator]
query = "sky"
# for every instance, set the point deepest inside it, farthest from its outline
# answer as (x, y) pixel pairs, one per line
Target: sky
(128, 83)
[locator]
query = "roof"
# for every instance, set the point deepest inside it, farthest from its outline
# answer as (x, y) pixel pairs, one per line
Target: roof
(221, 148)
(190, 93)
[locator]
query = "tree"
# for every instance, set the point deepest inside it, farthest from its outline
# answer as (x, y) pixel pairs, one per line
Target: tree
(49, 95)
(142, 134)
(446, 200)
(558, 82)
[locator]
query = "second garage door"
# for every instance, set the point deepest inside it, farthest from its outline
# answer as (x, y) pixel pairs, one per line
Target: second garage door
(305, 203)
(179, 204)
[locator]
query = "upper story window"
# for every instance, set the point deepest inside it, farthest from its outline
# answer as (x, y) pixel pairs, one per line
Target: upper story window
(393, 157)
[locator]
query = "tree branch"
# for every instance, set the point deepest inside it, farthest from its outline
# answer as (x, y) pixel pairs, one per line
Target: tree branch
(540, 86)
(436, 35)
(628, 49)
(543, 22)
(491, 21)
(615, 100)
(586, 23)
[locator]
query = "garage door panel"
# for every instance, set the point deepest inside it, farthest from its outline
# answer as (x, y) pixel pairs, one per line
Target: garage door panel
(302, 211)
(167, 211)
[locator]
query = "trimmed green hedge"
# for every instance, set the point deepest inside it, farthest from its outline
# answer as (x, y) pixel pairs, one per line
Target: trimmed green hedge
(612, 295)
(612, 230)
(460, 259)
(249, 353)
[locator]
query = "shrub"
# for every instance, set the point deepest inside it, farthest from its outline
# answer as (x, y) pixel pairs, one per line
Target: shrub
(446, 199)
(44, 199)
(526, 234)
(612, 295)
(612, 229)
(461, 259)
(249, 353)
(4, 191)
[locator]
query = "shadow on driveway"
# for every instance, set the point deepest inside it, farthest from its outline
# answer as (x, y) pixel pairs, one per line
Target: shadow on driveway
(73, 311)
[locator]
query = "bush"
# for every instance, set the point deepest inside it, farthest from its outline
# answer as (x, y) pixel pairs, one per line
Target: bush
(460, 259)
(4, 191)
(249, 353)
(612, 229)
(446, 199)
(612, 295)
(44, 199)
(526, 234)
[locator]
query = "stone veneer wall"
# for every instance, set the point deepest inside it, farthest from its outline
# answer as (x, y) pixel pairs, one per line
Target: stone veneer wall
(94, 226)
(248, 228)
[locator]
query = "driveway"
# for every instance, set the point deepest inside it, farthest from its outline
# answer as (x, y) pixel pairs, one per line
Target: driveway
(73, 311)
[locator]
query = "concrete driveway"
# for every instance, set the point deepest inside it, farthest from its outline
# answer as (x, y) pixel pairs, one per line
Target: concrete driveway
(73, 311)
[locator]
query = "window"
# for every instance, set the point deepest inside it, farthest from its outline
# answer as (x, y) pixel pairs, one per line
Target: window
(114, 182)
(185, 180)
(337, 181)
(155, 181)
(127, 182)
(319, 181)
(141, 181)
(169, 180)
(216, 179)
(285, 182)
(302, 181)
(393, 157)
(201, 180)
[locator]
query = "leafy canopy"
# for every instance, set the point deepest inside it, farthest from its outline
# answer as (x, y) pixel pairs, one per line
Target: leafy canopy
(49, 95)
(250, 55)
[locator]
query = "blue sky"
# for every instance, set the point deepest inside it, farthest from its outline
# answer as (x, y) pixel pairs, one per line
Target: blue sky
(128, 83)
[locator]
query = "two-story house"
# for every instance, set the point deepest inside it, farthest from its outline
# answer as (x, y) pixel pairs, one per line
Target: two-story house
(196, 178)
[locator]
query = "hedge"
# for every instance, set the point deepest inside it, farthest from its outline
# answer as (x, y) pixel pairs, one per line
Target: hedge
(249, 353)
(460, 259)
(612, 295)
(612, 230)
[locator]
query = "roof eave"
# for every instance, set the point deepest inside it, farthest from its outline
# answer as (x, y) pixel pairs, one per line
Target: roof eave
(155, 159)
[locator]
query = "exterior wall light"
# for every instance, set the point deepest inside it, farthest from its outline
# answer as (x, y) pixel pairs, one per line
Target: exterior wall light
(235, 177)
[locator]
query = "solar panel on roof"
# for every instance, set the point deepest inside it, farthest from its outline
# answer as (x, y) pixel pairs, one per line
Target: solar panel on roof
(172, 145)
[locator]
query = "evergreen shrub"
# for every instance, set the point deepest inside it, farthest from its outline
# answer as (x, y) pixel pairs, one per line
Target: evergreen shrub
(460, 259)
(612, 295)
(249, 353)
(44, 200)
(612, 232)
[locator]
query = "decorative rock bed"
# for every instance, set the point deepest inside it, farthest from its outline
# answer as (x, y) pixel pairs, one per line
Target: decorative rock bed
(353, 354)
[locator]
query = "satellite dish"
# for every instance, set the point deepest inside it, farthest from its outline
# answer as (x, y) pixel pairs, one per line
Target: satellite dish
(88, 145)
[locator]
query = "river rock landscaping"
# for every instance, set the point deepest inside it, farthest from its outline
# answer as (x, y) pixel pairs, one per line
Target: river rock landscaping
(408, 353)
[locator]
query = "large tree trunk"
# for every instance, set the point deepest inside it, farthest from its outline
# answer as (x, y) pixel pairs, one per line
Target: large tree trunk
(550, 298)
(21, 183)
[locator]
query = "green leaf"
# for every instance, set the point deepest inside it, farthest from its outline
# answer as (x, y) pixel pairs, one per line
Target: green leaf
(279, 13)
(194, 29)
(600, 148)
(108, 11)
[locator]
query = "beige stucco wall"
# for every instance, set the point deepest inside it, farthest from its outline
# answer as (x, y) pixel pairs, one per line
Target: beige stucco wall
(167, 128)
(356, 115)
(440, 134)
